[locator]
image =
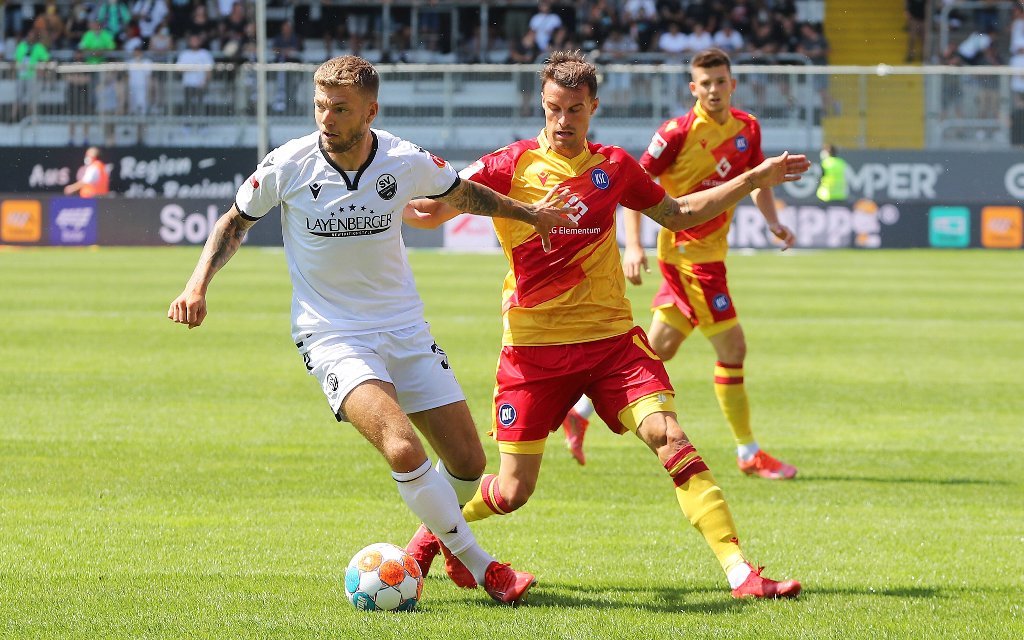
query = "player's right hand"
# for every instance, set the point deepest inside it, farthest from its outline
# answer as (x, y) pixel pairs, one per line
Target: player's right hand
(188, 308)
(550, 212)
(633, 260)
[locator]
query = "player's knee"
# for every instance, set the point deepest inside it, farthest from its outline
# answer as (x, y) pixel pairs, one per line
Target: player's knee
(516, 491)
(665, 349)
(403, 454)
(469, 464)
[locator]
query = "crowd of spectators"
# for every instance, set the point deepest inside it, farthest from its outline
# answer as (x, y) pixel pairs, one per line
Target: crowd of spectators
(112, 29)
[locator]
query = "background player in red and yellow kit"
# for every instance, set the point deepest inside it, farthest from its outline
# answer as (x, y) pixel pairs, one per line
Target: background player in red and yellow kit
(568, 327)
(706, 147)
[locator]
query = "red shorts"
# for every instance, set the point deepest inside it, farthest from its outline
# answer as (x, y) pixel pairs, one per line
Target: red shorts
(699, 292)
(537, 385)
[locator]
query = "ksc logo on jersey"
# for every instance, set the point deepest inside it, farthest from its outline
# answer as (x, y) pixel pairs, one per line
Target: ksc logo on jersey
(600, 179)
(387, 186)
(506, 414)
(720, 302)
(741, 143)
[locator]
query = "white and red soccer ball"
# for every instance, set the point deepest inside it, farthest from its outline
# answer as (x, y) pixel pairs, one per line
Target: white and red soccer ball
(383, 577)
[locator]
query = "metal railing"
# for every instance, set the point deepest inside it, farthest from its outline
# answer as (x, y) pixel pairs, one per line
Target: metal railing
(474, 106)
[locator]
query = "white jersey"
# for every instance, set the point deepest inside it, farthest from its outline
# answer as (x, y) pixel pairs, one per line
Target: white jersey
(343, 230)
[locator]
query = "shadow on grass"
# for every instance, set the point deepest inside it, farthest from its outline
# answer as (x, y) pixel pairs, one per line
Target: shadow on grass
(651, 599)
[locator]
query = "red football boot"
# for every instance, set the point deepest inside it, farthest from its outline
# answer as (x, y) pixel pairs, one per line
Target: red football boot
(507, 585)
(757, 586)
(423, 547)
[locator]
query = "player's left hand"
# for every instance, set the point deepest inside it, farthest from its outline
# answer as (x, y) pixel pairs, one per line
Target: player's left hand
(778, 169)
(783, 233)
(550, 212)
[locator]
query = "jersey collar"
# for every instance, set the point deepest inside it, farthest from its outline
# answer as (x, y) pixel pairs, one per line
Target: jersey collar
(574, 163)
(351, 184)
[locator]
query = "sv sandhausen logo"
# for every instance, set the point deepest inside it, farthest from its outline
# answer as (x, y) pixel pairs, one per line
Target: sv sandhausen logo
(360, 221)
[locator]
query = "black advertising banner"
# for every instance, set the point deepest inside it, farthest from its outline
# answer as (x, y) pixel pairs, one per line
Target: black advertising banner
(135, 172)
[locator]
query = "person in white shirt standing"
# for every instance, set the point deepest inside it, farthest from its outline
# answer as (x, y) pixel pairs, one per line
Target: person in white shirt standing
(357, 319)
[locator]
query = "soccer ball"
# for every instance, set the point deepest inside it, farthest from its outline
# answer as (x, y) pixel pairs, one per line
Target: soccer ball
(383, 576)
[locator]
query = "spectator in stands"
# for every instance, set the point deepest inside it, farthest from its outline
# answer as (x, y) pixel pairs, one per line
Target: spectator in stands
(50, 26)
(77, 24)
(287, 47)
(986, 17)
(140, 72)
(1017, 30)
(544, 23)
(195, 80)
(700, 39)
(109, 102)
(639, 17)
(788, 33)
(92, 179)
(204, 26)
(114, 15)
(29, 53)
(526, 51)
(149, 15)
(19, 14)
(976, 49)
(763, 40)
(600, 18)
(96, 43)
(670, 11)
(618, 48)
(161, 44)
(742, 17)
(181, 14)
(915, 13)
(729, 39)
(813, 44)
(232, 31)
(674, 42)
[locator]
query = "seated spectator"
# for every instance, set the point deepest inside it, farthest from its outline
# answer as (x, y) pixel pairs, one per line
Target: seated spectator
(728, 39)
(674, 42)
(149, 14)
(525, 51)
(619, 48)
(700, 39)
(763, 39)
(114, 16)
(29, 53)
(600, 19)
(670, 11)
(544, 23)
(232, 30)
(161, 44)
(640, 18)
(976, 49)
(813, 44)
(203, 26)
(287, 45)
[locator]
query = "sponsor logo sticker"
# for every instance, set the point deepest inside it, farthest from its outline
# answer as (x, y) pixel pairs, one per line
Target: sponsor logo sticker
(949, 226)
(72, 221)
(21, 221)
(1002, 227)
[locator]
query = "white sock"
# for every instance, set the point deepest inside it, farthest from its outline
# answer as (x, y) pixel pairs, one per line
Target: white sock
(584, 407)
(433, 501)
(747, 451)
(738, 574)
(464, 489)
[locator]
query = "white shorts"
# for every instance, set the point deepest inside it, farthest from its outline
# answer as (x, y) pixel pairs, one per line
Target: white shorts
(407, 358)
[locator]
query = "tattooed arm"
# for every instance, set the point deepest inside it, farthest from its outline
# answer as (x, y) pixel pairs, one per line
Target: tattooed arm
(468, 196)
(190, 306)
(694, 208)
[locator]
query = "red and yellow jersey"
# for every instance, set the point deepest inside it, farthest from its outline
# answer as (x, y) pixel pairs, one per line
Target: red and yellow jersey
(692, 153)
(576, 292)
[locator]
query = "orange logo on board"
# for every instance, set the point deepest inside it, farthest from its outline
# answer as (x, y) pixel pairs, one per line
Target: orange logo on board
(1002, 227)
(21, 221)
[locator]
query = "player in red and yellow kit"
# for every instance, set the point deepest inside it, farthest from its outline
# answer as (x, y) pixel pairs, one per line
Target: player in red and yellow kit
(707, 146)
(568, 327)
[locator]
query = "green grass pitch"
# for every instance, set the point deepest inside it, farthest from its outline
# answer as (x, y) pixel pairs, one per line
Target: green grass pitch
(157, 482)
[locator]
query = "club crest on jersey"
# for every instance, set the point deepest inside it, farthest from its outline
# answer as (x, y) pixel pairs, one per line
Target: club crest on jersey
(315, 189)
(506, 414)
(741, 142)
(720, 302)
(600, 179)
(387, 186)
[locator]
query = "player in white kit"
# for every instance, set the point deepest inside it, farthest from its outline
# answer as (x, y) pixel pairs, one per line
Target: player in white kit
(357, 318)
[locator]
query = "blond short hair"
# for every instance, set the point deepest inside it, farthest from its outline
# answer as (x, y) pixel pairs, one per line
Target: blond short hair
(348, 71)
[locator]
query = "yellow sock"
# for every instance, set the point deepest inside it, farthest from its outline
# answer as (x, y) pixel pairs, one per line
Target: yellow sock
(486, 502)
(732, 398)
(704, 505)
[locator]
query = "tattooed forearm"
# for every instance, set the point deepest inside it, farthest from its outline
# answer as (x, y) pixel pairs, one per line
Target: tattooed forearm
(667, 212)
(224, 240)
(476, 198)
